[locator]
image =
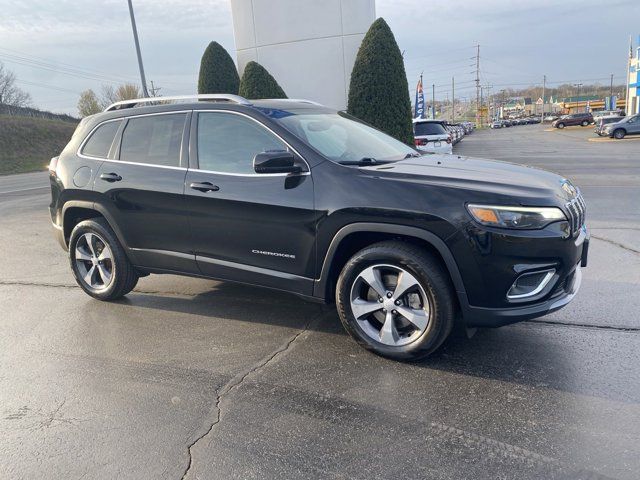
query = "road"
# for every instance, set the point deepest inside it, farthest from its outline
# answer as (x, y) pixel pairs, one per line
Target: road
(201, 379)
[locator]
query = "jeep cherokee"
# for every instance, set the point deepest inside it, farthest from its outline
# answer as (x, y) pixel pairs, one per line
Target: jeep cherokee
(295, 196)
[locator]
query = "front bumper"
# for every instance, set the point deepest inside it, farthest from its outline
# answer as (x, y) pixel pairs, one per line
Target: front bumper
(498, 317)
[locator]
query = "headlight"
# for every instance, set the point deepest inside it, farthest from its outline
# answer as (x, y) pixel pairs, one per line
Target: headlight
(524, 218)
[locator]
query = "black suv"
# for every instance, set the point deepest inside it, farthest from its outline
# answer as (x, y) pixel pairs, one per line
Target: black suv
(292, 195)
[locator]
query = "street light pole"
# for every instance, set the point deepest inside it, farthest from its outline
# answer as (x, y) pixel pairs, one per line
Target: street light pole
(135, 39)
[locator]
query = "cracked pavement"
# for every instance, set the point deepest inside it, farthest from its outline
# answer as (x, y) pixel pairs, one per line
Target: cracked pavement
(198, 379)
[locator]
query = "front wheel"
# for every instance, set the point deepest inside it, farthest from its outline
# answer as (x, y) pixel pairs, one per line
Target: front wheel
(396, 300)
(560, 125)
(619, 134)
(98, 261)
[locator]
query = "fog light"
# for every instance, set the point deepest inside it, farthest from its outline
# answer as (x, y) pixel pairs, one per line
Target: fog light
(530, 284)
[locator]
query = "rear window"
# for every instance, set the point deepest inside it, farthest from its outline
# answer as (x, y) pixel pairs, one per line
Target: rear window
(429, 128)
(100, 141)
(154, 139)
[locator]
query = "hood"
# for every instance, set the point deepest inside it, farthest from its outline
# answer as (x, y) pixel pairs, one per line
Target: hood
(476, 174)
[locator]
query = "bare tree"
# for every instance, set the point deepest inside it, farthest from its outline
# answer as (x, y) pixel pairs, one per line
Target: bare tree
(126, 91)
(88, 104)
(10, 94)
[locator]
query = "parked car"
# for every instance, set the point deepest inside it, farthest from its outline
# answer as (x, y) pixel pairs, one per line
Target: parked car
(607, 113)
(602, 122)
(431, 136)
(455, 134)
(627, 126)
(551, 117)
(496, 124)
(582, 119)
(294, 196)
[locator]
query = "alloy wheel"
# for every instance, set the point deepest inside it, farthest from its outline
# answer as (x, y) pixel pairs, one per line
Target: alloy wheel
(94, 261)
(390, 305)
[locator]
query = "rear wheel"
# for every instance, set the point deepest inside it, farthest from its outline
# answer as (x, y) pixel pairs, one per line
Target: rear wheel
(395, 300)
(98, 261)
(584, 123)
(619, 134)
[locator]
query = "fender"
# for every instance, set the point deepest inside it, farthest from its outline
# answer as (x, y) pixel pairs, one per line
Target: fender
(435, 241)
(89, 205)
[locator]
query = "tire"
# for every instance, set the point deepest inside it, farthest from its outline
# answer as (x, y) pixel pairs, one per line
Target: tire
(560, 125)
(584, 123)
(428, 300)
(619, 133)
(98, 261)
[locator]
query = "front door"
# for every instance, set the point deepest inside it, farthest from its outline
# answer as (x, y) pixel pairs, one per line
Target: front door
(143, 190)
(249, 227)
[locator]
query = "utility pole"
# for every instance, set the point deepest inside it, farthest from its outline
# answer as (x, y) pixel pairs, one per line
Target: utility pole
(611, 87)
(433, 100)
(478, 116)
(544, 87)
(135, 39)
(453, 99)
(154, 90)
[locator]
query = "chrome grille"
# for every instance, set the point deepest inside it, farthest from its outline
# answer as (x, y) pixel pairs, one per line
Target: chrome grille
(577, 210)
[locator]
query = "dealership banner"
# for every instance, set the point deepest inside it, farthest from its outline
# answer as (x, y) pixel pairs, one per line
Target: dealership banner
(419, 107)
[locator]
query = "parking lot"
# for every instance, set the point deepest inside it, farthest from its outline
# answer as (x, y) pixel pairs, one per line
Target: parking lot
(200, 379)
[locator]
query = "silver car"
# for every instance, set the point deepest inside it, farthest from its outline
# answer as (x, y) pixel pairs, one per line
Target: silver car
(627, 126)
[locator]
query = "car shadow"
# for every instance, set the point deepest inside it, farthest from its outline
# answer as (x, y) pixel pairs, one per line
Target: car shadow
(535, 355)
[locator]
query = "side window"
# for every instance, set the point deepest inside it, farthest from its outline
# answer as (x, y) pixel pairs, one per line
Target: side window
(100, 141)
(154, 139)
(228, 142)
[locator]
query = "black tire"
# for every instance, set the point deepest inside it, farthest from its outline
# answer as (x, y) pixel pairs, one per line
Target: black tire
(619, 133)
(433, 280)
(560, 125)
(123, 275)
(584, 123)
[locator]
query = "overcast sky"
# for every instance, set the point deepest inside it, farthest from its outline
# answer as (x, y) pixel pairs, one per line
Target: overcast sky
(90, 42)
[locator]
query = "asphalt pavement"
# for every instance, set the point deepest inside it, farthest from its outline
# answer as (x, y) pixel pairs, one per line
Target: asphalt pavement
(202, 379)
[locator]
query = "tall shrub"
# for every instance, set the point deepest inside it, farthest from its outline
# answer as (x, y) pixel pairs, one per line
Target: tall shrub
(257, 83)
(379, 92)
(218, 73)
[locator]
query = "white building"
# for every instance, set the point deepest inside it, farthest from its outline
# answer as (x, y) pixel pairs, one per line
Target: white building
(633, 89)
(309, 46)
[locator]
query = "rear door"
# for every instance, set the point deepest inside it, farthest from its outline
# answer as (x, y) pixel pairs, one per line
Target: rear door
(143, 190)
(249, 227)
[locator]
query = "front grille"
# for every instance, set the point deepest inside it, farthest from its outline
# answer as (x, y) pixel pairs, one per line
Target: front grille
(577, 211)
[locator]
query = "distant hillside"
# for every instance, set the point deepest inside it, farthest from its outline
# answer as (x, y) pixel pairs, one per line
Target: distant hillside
(27, 143)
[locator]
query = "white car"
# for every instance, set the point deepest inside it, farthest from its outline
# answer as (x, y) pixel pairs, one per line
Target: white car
(431, 136)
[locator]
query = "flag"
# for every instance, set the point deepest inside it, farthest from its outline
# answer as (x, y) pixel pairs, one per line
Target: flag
(419, 107)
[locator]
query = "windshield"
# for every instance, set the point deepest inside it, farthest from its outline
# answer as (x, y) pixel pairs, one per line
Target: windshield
(344, 139)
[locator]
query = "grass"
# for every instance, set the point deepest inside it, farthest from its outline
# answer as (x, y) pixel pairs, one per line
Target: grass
(27, 144)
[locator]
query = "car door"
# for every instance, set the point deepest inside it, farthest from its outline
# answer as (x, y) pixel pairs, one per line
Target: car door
(633, 125)
(143, 190)
(249, 227)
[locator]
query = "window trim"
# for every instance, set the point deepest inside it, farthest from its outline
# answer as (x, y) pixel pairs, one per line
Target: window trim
(90, 134)
(115, 145)
(193, 147)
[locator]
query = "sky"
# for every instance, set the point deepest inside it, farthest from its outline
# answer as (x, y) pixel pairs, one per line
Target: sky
(58, 48)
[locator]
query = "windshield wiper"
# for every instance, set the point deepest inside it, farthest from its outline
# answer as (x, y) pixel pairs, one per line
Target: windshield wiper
(362, 161)
(413, 155)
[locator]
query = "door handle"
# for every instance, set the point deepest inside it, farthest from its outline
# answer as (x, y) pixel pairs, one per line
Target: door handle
(204, 187)
(110, 177)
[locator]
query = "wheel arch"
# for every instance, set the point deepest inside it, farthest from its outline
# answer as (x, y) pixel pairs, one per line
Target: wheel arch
(75, 211)
(352, 238)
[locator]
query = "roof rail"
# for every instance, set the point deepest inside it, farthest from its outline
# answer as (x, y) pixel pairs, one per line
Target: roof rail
(299, 100)
(220, 97)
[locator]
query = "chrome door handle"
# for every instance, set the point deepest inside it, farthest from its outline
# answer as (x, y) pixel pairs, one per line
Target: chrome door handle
(204, 187)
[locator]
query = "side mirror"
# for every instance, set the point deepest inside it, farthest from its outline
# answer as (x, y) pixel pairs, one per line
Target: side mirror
(280, 161)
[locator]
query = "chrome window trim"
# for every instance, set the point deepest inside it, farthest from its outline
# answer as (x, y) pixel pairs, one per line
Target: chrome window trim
(213, 110)
(547, 278)
(124, 162)
(120, 119)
